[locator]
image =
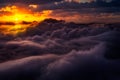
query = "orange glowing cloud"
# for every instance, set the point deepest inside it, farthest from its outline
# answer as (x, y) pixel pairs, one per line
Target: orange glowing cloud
(33, 6)
(17, 15)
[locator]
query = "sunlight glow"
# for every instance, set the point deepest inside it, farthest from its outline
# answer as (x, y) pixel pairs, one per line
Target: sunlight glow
(14, 13)
(17, 15)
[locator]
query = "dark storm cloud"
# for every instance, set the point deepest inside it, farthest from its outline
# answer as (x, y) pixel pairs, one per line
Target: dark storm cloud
(91, 7)
(75, 65)
(29, 1)
(94, 4)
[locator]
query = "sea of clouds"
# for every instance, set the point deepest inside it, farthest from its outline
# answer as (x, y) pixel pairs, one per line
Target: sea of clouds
(56, 50)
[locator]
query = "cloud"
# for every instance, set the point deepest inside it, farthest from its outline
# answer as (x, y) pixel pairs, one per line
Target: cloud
(72, 64)
(30, 1)
(90, 64)
(58, 50)
(85, 15)
(81, 12)
(28, 68)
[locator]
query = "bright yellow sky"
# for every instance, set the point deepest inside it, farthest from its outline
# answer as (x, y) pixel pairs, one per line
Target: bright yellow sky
(16, 14)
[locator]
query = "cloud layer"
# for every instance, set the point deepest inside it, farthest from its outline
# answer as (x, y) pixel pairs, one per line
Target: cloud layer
(56, 50)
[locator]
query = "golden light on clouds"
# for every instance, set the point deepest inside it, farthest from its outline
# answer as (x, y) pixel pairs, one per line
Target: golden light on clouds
(13, 29)
(17, 15)
(33, 6)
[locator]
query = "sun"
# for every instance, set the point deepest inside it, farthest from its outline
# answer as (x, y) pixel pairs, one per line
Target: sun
(17, 18)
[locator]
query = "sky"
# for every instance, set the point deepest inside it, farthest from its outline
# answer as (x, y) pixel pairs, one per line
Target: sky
(81, 11)
(33, 47)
